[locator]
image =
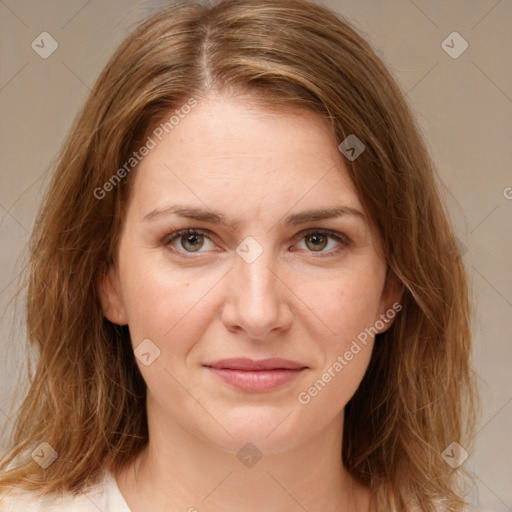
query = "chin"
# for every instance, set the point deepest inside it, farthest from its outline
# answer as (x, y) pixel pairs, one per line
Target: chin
(270, 430)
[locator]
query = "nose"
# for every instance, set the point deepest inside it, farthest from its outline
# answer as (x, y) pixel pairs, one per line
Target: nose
(258, 298)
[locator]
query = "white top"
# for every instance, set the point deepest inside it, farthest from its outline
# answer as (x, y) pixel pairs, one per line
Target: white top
(104, 496)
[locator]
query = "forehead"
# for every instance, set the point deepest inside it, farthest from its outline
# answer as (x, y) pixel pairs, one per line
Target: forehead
(230, 151)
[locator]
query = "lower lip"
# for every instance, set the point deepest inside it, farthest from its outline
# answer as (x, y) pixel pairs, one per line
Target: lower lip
(256, 380)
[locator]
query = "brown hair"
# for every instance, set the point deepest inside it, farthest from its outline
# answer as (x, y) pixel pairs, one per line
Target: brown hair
(86, 396)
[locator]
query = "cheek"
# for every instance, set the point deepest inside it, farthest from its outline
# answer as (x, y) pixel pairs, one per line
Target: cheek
(344, 311)
(162, 304)
(344, 304)
(330, 389)
(343, 340)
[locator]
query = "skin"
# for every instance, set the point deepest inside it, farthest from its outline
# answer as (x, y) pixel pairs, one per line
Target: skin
(256, 168)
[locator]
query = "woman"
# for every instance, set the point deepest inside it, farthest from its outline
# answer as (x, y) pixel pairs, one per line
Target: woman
(244, 290)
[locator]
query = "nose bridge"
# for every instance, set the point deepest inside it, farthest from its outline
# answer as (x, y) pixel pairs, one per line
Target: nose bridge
(257, 302)
(254, 268)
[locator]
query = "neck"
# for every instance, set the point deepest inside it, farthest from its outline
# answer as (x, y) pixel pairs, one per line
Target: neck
(182, 471)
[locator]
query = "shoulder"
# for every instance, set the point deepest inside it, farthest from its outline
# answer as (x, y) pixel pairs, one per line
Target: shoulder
(29, 502)
(103, 496)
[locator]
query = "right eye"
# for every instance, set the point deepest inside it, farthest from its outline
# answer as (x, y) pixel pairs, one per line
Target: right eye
(189, 240)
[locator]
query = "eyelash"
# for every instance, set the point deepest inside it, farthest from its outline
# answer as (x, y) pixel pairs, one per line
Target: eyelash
(343, 240)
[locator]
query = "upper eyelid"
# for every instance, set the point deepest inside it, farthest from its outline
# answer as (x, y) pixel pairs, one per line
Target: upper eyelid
(342, 238)
(208, 233)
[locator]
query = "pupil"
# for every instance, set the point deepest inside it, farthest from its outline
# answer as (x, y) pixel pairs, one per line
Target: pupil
(191, 241)
(317, 242)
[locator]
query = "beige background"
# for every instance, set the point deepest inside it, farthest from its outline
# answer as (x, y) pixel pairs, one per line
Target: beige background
(464, 107)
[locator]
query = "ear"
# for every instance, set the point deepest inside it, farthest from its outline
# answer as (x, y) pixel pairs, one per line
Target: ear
(390, 302)
(109, 291)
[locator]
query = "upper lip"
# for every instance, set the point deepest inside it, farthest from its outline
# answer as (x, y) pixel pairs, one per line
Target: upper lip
(243, 363)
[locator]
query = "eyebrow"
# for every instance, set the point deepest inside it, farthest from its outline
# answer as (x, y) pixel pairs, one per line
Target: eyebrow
(215, 217)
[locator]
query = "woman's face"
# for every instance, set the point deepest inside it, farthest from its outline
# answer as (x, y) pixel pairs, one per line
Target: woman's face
(279, 263)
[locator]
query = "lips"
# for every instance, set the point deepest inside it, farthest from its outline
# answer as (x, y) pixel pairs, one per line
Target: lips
(256, 376)
(242, 363)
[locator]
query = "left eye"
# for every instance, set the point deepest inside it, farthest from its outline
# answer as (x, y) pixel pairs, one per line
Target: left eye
(192, 240)
(317, 241)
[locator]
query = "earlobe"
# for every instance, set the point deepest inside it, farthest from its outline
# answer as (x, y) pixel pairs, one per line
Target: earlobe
(390, 303)
(110, 296)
